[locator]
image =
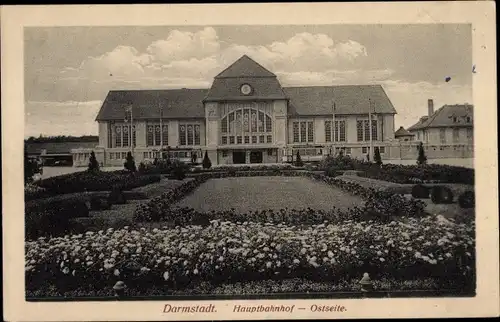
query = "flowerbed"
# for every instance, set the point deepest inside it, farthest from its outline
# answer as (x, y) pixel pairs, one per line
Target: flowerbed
(379, 204)
(95, 181)
(236, 252)
(32, 191)
(246, 168)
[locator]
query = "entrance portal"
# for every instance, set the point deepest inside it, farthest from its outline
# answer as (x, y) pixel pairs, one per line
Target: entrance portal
(256, 157)
(239, 157)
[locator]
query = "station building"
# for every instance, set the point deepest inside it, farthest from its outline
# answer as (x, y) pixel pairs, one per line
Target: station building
(245, 117)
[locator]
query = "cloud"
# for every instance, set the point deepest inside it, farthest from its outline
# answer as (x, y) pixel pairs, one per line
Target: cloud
(196, 57)
(334, 77)
(56, 118)
(410, 99)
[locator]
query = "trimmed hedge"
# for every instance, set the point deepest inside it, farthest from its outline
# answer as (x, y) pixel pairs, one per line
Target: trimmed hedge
(467, 199)
(380, 205)
(420, 191)
(95, 181)
(98, 203)
(441, 195)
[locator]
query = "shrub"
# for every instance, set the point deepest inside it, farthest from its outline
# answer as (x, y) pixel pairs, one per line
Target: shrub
(420, 191)
(94, 181)
(467, 199)
(130, 163)
(421, 159)
(142, 167)
(377, 158)
(441, 195)
(207, 164)
(116, 196)
(52, 216)
(93, 164)
(99, 203)
(179, 170)
(32, 191)
(298, 160)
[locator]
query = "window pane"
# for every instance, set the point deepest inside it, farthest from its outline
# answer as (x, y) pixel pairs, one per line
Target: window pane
(125, 136)
(374, 130)
(269, 139)
(190, 134)
(231, 139)
(254, 139)
(268, 124)
(196, 135)
(261, 122)
(111, 155)
(182, 134)
(261, 139)
(246, 121)
(149, 135)
(310, 132)
(247, 139)
(118, 136)
(328, 131)
(302, 132)
(231, 123)
(224, 140)
(239, 139)
(295, 132)
(157, 134)
(367, 130)
(342, 131)
(223, 125)
(359, 130)
(442, 135)
(165, 134)
(253, 121)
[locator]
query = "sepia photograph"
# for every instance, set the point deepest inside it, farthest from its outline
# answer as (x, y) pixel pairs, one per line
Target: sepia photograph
(204, 162)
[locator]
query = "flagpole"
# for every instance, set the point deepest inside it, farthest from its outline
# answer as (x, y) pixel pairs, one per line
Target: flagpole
(333, 129)
(370, 127)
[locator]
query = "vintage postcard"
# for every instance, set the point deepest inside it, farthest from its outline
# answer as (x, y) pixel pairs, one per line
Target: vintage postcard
(249, 161)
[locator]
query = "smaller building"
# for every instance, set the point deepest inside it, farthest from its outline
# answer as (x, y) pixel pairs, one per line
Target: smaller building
(59, 153)
(448, 132)
(403, 135)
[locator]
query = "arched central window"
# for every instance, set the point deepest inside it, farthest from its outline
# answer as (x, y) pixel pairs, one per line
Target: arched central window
(249, 124)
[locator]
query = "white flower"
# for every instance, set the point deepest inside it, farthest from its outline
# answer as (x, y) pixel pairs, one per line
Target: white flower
(166, 276)
(296, 261)
(330, 254)
(382, 259)
(116, 272)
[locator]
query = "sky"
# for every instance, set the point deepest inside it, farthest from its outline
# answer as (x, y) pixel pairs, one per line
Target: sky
(69, 70)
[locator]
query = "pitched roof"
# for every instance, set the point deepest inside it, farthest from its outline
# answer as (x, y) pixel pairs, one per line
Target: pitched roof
(245, 67)
(402, 132)
(230, 89)
(443, 117)
(349, 99)
(58, 147)
(176, 103)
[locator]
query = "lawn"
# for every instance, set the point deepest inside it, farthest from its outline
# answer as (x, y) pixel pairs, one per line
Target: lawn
(250, 193)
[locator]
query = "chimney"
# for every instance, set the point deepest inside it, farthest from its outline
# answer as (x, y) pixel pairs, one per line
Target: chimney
(430, 105)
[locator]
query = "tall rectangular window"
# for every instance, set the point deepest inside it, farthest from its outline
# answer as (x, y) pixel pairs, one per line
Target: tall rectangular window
(223, 125)
(456, 135)
(157, 134)
(268, 124)
(182, 134)
(374, 131)
(190, 135)
(341, 135)
(165, 134)
(303, 132)
(125, 135)
(442, 135)
(328, 131)
(261, 122)
(310, 132)
(118, 136)
(197, 134)
(150, 135)
(359, 130)
(367, 130)
(296, 137)
(110, 136)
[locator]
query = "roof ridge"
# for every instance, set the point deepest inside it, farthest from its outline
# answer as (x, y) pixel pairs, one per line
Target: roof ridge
(341, 85)
(245, 56)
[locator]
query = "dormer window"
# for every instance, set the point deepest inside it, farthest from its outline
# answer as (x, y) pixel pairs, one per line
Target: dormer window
(468, 119)
(455, 119)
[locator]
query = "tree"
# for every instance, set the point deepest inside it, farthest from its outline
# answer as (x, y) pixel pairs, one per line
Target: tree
(30, 167)
(298, 160)
(377, 158)
(130, 163)
(368, 157)
(93, 164)
(207, 164)
(422, 159)
(194, 157)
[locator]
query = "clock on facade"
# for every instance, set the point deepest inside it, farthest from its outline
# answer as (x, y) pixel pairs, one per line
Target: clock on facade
(246, 89)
